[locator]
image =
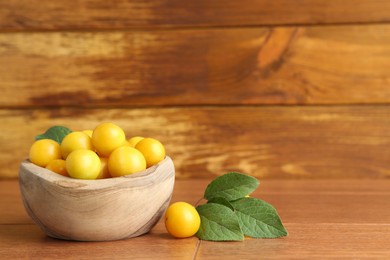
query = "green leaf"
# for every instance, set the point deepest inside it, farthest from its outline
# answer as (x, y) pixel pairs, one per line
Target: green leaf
(218, 223)
(258, 219)
(222, 201)
(231, 186)
(56, 133)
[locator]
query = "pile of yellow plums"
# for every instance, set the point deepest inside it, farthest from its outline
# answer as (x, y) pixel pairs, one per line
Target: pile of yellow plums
(96, 154)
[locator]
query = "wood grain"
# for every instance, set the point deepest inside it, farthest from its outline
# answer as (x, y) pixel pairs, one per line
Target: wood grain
(337, 219)
(27, 241)
(98, 14)
(308, 241)
(10, 199)
(281, 65)
(267, 142)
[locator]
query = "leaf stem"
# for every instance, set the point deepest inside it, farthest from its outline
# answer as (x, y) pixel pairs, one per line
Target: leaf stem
(197, 203)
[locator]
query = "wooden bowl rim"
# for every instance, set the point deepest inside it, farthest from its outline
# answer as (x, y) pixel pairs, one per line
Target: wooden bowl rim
(146, 176)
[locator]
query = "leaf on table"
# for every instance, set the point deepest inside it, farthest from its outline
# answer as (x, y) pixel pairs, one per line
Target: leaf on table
(56, 133)
(218, 223)
(231, 186)
(258, 218)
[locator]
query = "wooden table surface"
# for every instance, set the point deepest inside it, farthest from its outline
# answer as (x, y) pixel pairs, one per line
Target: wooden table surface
(325, 219)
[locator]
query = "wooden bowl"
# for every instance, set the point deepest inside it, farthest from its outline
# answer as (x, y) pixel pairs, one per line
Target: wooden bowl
(96, 210)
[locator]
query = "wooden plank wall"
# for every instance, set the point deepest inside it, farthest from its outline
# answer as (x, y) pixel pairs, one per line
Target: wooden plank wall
(276, 89)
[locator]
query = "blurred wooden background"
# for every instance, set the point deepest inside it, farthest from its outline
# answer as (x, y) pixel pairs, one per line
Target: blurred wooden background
(275, 89)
